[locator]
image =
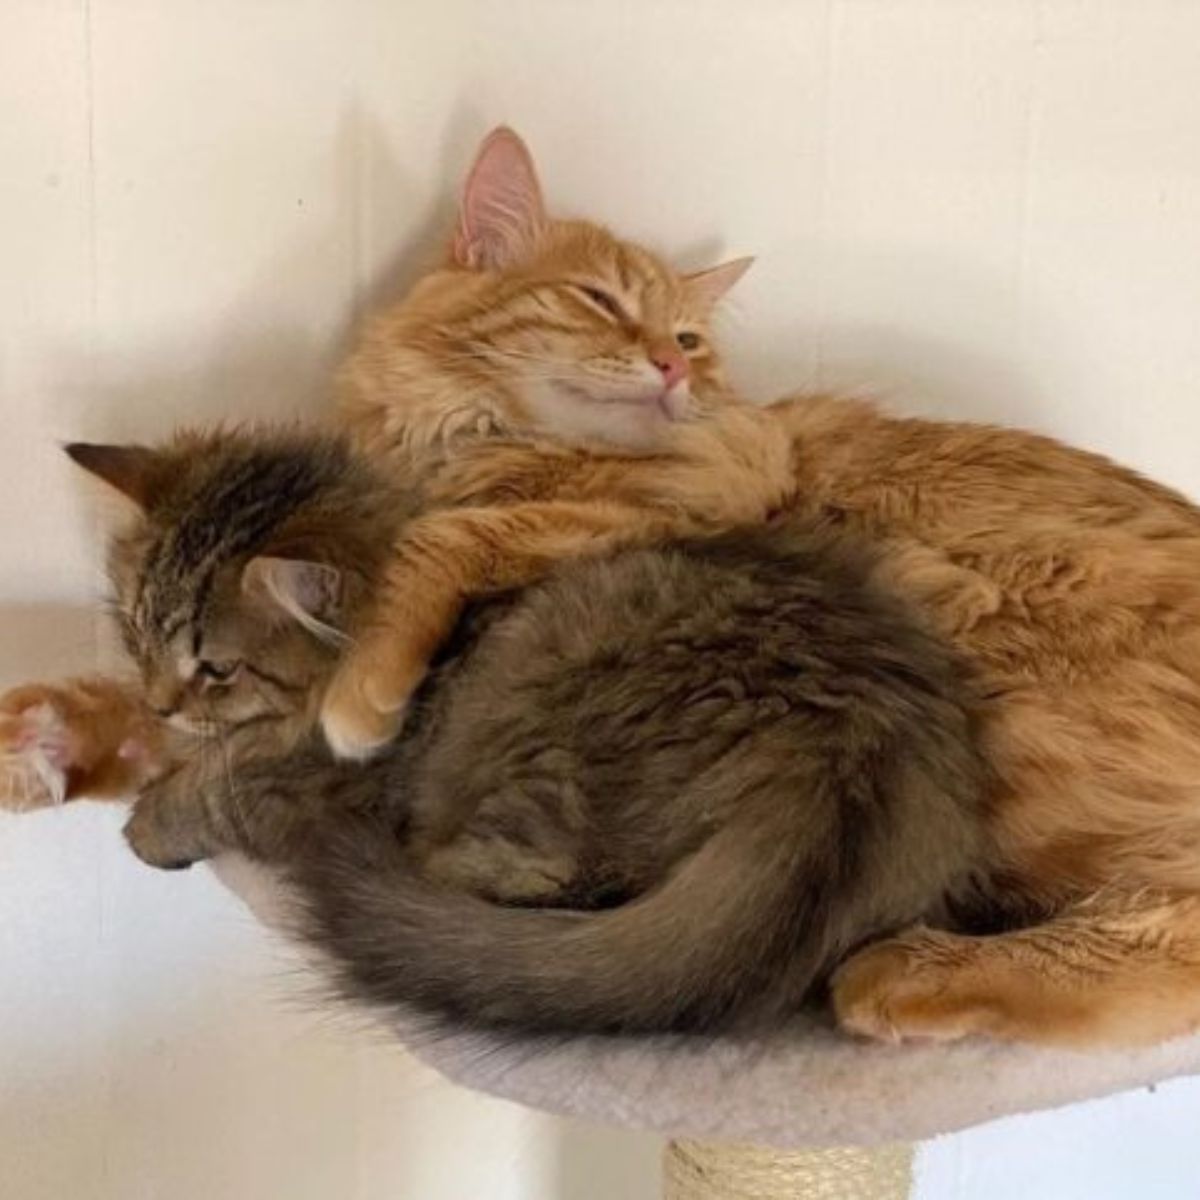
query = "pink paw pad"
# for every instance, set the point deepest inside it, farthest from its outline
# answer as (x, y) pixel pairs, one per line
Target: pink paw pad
(46, 734)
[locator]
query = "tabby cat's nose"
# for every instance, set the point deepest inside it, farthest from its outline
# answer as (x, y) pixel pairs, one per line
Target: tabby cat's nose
(163, 698)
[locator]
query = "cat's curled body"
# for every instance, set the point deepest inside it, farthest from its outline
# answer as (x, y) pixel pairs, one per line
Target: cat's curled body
(742, 753)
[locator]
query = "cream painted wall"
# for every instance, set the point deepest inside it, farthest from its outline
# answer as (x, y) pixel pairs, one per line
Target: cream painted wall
(986, 209)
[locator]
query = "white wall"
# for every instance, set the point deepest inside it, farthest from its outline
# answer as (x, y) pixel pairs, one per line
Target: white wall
(989, 209)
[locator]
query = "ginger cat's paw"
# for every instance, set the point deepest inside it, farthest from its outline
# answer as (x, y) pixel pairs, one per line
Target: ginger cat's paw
(37, 749)
(364, 707)
(84, 737)
(912, 987)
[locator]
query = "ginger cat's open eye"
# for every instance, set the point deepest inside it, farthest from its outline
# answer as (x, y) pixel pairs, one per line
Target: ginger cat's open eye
(688, 340)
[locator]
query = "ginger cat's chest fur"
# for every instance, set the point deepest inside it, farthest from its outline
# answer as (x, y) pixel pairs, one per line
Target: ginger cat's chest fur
(733, 467)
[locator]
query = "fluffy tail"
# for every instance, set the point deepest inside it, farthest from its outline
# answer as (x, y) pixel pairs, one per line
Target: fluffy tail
(742, 928)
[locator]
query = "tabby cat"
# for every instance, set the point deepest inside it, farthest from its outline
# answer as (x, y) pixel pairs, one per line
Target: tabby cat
(743, 747)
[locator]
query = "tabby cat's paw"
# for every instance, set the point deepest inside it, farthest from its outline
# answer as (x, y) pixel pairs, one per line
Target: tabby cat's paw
(149, 840)
(914, 987)
(37, 749)
(357, 720)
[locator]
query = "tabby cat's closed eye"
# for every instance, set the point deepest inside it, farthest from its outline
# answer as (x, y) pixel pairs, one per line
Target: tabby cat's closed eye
(218, 672)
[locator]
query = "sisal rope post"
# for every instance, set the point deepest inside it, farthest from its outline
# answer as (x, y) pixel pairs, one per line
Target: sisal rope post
(718, 1171)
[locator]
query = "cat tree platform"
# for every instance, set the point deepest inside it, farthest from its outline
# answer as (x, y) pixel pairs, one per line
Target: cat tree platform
(805, 1113)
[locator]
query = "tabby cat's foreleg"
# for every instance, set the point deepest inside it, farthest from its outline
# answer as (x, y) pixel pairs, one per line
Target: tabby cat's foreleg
(236, 789)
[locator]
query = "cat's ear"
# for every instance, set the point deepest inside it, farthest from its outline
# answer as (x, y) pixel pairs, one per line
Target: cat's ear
(501, 213)
(135, 471)
(705, 288)
(308, 592)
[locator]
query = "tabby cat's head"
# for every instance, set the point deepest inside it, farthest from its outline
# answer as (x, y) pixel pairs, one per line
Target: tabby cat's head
(542, 325)
(249, 554)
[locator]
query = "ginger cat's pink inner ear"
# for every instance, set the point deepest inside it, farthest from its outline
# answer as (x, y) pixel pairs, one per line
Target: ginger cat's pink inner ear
(501, 214)
(134, 471)
(705, 288)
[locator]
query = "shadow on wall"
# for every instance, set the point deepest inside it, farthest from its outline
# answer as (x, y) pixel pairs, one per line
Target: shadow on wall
(44, 641)
(188, 1075)
(272, 350)
(871, 324)
(203, 1057)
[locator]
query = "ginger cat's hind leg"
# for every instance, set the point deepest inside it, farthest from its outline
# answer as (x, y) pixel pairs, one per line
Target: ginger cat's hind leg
(1113, 972)
(84, 737)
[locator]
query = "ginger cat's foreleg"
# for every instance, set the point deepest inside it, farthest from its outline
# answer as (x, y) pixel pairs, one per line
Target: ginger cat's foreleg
(1113, 972)
(444, 560)
(87, 737)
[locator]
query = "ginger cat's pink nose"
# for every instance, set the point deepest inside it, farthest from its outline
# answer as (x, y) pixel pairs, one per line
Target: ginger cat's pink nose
(672, 365)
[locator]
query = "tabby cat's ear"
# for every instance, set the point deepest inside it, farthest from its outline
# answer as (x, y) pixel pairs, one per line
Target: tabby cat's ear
(705, 288)
(501, 213)
(135, 471)
(308, 592)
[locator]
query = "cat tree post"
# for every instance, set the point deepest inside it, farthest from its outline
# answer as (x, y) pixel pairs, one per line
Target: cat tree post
(695, 1170)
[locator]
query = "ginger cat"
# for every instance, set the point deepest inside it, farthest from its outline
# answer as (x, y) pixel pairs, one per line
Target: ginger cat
(1072, 584)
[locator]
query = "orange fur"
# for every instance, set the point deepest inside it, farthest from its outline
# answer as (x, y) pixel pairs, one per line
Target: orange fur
(1117, 971)
(1073, 585)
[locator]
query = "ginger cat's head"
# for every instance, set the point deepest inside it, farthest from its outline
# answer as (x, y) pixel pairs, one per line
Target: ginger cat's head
(538, 326)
